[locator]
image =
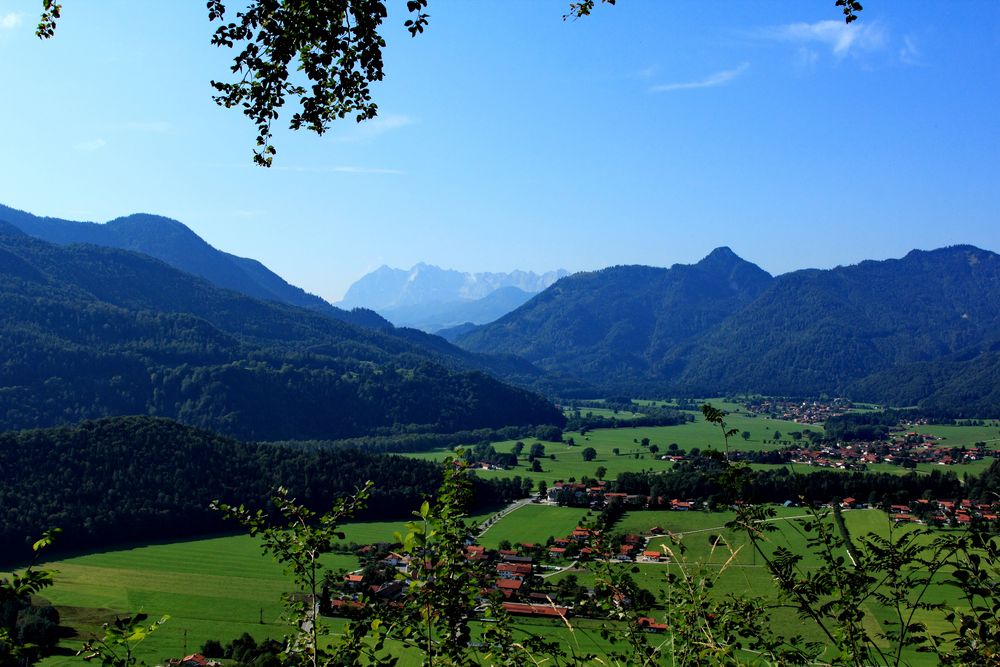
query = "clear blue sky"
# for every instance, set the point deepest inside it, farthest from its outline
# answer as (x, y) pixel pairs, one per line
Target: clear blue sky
(649, 133)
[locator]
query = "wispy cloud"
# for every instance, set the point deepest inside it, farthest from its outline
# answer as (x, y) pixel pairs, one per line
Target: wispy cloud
(646, 72)
(376, 127)
(711, 81)
(90, 145)
(909, 53)
(10, 20)
(841, 38)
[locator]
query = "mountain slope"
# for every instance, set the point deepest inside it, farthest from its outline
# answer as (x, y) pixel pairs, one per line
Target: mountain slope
(818, 331)
(175, 244)
(613, 327)
(90, 332)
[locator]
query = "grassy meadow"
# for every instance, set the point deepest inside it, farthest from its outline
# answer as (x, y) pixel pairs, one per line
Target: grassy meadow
(533, 524)
(220, 587)
(632, 457)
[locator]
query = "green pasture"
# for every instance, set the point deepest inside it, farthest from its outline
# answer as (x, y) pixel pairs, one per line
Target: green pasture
(215, 588)
(959, 436)
(602, 412)
(211, 589)
(738, 569)
(219, 588)
(632, 457)
(533, 524)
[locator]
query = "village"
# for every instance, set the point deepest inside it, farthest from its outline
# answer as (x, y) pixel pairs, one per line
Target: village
(802, 412)
(903, 449)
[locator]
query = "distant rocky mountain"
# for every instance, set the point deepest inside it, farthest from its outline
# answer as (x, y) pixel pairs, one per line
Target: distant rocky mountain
(172, 242)
(614, 326)
(921, 330)
(89, 332)
(431, 298)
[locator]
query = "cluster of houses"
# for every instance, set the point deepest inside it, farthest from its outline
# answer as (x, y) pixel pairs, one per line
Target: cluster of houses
(802, 412)
(515, 573)
(595, 494)
(939, 512)
(903, 449)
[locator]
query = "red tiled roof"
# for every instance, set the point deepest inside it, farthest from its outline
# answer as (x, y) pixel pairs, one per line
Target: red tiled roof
(534, 609)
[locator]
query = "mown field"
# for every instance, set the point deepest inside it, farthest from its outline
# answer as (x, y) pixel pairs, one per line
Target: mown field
(215, 588)
(533, 524)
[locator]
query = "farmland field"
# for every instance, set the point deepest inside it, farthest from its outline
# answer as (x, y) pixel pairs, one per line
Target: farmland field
(215, 588)
(631, 456)
(744, 573)
(533, 524)
(959, 436)
(221, 587)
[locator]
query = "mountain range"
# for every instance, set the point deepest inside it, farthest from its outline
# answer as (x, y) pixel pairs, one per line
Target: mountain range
(90, 331)
(221, 342)
(923, 329)
(175, 244)
(430, 298)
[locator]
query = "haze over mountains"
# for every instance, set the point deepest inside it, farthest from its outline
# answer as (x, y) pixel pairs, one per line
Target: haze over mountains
(431, 298)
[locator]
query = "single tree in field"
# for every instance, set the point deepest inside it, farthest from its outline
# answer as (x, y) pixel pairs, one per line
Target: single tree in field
(745, 435)
(600, 472)
(653, 449)
(537, 451)
(589, 454)
(536, 465)
(616, 451)
(518, 448)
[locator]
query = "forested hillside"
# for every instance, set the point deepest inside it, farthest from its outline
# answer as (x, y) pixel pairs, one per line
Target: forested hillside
(91, 332)
(822, 331)
(137, 478)
(923, 330)
(175, 244)
(613, 327)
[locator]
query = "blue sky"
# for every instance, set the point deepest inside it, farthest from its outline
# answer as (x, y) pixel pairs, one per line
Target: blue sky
(648, 133)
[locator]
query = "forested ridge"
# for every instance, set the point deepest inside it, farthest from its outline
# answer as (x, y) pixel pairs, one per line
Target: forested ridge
(175, 244)
(611, 327)
(89, 332)
(920, 330)
(123, 479)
